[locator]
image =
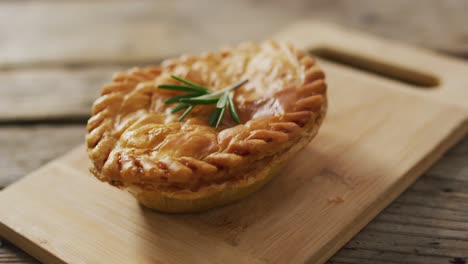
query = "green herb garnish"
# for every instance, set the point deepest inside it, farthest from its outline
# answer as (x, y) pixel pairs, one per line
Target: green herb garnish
(200, 95)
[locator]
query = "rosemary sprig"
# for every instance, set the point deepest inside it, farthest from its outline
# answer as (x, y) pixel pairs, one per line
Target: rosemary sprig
(186, 112)
(199, 100)
(191, 84)
(200, 95)
(176, 99)
(179, 88)
(214, 116)
(179, 107)
(232, 111)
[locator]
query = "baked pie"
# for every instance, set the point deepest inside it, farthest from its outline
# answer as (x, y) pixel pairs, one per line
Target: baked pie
(137, 141)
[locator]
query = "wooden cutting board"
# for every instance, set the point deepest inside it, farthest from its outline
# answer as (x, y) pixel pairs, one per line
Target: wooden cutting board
(379, 136)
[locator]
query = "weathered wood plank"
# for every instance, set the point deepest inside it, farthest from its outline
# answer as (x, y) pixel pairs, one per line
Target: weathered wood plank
(434, 201)
(24, 149)
(398, 248)
(385, 256)
(368, 239)
(451, 225)
(146, 31)
(427, 212)
(10, 254)
(454, 168)
(418, 229)
(46, 94)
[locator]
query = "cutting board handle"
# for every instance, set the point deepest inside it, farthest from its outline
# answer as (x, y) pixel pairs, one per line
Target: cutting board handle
(409, 76)
(444, 79)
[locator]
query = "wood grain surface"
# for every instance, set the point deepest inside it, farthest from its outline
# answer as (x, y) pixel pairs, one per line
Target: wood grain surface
(48, 46)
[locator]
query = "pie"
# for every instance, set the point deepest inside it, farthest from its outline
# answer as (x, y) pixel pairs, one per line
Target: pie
(135, 143)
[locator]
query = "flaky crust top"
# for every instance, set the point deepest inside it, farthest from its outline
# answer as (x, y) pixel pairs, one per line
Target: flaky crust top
(134, 140)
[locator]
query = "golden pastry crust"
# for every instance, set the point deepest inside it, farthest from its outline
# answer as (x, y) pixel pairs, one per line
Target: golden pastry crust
(135, 142)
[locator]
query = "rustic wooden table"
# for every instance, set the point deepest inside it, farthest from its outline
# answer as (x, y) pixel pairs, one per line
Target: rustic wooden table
(55, 55)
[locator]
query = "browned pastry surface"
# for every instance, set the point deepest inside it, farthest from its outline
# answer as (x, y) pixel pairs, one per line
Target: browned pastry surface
(134, 141)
